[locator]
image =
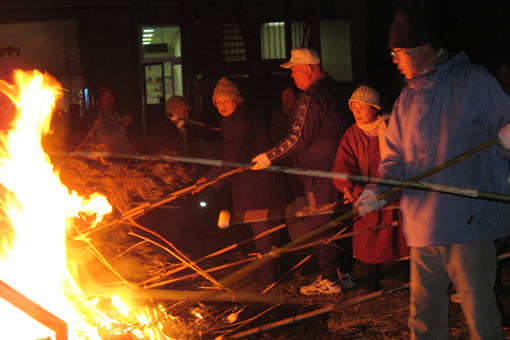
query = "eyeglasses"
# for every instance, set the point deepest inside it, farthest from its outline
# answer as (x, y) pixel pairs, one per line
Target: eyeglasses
(394, 53)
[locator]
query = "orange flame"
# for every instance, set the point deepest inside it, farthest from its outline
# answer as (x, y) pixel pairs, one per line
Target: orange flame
(35, 212)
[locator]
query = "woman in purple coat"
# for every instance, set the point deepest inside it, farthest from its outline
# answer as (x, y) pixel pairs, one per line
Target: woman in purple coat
(359, 153)
(265, 191)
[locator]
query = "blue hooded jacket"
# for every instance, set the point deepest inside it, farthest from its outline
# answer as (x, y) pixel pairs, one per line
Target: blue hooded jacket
(438, 116)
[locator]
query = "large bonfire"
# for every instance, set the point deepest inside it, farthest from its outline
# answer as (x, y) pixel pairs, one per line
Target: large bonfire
(39, 217)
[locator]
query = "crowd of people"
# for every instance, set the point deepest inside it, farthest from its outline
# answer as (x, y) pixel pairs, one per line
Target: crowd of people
(448, 107)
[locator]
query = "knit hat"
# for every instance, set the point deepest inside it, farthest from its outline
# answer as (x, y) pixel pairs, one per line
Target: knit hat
(227, 88)
(174, 103)
(412, 26)
(365, 94)
(305, 56)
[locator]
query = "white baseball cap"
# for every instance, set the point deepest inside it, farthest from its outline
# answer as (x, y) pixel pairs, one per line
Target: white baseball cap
(305, 56)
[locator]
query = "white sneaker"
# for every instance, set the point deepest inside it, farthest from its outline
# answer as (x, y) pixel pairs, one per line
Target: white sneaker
(346, 281)
(321, 286)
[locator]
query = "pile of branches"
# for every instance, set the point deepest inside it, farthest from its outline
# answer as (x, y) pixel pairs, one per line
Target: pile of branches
(116, 255)
(125, 184)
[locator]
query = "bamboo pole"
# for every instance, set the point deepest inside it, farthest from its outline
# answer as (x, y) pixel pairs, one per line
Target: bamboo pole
(390, 182)
(398, 184)
(305, 238)
(335, 238)
(148, 206)
(341, 236)
(320, 311)
(34, 310)
(448, 189)
(316, 312)
(219, 252)
(230, 247)
(188, 295)
(190, 276)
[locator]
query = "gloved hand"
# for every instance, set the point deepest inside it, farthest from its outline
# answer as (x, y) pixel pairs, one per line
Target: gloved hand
(367, 202)
(262, 162)
(504, 136)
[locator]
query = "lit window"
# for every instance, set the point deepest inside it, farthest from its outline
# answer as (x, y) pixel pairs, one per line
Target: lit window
(273, 40)
(300, 34)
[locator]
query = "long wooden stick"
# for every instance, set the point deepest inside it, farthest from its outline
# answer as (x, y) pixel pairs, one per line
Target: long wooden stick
(305, 238)
(321, 210)
(190, 276)
(320, 311)
(34, 310)
(307, 315)
(342, 236)
(148, 206)
(164, 294)
(447, 189)
(335, 238)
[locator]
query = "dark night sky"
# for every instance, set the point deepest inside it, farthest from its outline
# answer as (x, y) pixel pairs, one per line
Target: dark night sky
(479, 27)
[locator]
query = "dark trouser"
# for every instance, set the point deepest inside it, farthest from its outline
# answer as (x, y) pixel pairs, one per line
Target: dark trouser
(264, 244)
(471, 268)
(321, 192)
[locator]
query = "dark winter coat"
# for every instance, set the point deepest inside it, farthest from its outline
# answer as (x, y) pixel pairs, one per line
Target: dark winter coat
(243, 139)
(318, 125)
(167, 135)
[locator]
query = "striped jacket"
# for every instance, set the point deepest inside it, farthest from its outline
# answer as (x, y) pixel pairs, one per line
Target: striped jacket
(318, 126)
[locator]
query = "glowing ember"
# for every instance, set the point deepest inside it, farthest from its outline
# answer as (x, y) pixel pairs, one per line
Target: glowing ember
(36, 212)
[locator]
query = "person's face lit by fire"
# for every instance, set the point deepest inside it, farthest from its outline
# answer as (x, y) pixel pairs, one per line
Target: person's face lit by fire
(302, 75)
(411, 62)
(106, 101)
(289, 97)
(363, 113)
(182, 112)
(226, 106)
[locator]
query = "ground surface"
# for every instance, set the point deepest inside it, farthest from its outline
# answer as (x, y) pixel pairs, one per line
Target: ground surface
(382, 317)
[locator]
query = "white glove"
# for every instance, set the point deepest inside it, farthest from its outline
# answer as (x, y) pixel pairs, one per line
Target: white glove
(367, 202)
(262, 162)
(504, 136)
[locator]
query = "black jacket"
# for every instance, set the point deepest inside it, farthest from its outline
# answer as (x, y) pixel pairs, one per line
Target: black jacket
(243, 139)
(167, 135)
(318, 125)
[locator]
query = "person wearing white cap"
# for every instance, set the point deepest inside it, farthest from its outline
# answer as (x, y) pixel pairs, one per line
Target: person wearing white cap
(314, 136)
(360, 151)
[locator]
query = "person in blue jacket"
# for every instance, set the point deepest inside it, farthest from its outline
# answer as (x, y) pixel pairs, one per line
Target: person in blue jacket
(448, 107)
